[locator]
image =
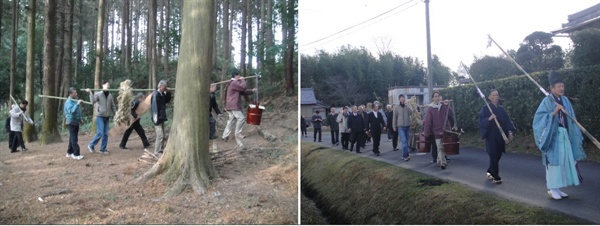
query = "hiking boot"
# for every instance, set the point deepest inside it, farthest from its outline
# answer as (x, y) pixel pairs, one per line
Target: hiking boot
(91, 149)
(79, 157)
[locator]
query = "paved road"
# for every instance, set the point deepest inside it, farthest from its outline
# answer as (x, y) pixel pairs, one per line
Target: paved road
(523, 176)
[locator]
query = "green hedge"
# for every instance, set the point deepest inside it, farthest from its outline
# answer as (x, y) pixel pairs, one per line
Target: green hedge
(521, 97)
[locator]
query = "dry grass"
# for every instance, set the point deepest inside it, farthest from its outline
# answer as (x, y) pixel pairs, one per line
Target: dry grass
(355, 190)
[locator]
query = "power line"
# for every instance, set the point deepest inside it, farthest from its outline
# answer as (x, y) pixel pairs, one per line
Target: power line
(356, 25)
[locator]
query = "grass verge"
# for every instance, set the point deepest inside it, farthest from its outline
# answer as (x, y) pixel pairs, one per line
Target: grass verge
(349, 189)
(309, 212)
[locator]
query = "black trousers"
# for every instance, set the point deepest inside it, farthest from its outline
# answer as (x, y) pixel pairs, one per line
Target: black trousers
(213, 128)
(394, 138)
(495, 146)
(11, 138)
(356, 138)
(335, 136)
(16, 140)
(376, 136)
(433, 147)
(345, 140)
(73, 140)
(139, 130)
(303, 130)
(315, 133)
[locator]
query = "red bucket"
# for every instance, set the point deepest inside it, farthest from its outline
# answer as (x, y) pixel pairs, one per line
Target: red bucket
(423, 145)
(254, 114)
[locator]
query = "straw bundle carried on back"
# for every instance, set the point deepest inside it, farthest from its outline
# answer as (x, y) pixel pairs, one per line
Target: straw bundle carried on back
(123, 114)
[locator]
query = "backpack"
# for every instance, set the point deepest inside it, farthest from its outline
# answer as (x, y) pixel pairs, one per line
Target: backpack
(7, 125)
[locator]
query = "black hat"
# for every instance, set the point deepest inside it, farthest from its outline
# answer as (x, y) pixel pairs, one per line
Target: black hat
(554, 78)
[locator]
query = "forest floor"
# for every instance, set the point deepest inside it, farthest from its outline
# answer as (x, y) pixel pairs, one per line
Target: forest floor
(259, 186)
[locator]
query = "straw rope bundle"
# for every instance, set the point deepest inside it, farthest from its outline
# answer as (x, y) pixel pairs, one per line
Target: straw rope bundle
(123, 114)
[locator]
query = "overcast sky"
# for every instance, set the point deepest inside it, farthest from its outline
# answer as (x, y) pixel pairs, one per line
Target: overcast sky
(459, 28)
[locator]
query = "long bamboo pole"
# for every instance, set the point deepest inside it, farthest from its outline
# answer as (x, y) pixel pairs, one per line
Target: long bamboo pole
(486, 103)
(170, 89)
(583, 130)
(62, 98)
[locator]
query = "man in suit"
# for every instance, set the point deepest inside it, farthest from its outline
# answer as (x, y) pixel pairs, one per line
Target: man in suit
(376, 125)
(356, 127)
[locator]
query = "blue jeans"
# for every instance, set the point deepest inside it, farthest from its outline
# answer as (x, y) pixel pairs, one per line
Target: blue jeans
(403, 133)
(101, 132)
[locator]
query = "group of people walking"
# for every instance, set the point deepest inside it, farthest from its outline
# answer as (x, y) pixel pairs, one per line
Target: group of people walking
(556, 135)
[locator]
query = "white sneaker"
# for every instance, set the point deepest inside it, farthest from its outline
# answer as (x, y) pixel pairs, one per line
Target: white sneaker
(489, 176)
(554, 194)
(79, 157)
(91, 149)
(562, 194)
(69, 155)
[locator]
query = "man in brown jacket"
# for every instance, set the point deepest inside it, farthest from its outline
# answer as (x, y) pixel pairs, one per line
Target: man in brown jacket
(233, 105)
(436, 122)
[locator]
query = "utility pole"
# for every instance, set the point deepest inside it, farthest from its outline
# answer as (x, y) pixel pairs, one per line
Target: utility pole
(429, 75)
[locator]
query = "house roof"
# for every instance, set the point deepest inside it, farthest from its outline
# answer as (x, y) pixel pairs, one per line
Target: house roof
(580, 20)
(307, 96)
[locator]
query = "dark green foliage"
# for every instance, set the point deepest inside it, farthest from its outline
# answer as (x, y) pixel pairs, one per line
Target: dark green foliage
(537, 53)
(520, 97)
(492, 68)
(586, 47)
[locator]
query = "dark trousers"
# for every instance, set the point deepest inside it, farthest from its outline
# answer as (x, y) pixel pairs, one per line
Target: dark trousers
(390, 133)
(139, 130)
(394, 138)
(317, 130)
(73, 140)
(345, 140)
(11, 138)
(494, 146)
(213, 128)
(433, 147)
(376, 136)
(303, 130)
(356, 137)
(16, 140)
(335, 136)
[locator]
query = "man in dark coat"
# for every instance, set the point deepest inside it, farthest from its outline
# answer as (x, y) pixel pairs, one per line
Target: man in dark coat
(160, 98)
(316, 120)
(136, 125)
(376, 125)
(333, 126)
(213, 107)
(357, 128)
(391, 133)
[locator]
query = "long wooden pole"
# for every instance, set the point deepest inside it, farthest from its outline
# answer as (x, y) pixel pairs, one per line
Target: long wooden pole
(170, 89)
(486, 103)
(62, 98)
(24, 115)
(583, 130)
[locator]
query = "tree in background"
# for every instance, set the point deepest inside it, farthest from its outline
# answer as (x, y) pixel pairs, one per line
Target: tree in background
(441, 73)
(186, 160)
(49, 131)
(29, 131)
(492, 68)
(537, 53)
(586, 47)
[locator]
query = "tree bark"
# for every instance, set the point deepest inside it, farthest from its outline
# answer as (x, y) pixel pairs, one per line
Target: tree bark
(260, 24)
(79, 51)
(68, 47)
(167, 38)
(186, 160)
(105, 33)
(125, 36)
(244, 25)
(49, 131)
(1, 12)
(13, 51)
(249, 9)
(135, 50)
(226, 49)
(290, 39)
(269, 58)
(29, 131)
(99, 44)
(152, 43)
(58, 77)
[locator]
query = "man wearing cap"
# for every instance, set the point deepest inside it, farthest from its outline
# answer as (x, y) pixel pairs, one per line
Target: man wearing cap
(233, 105)
(558, 138)
(104, 105)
